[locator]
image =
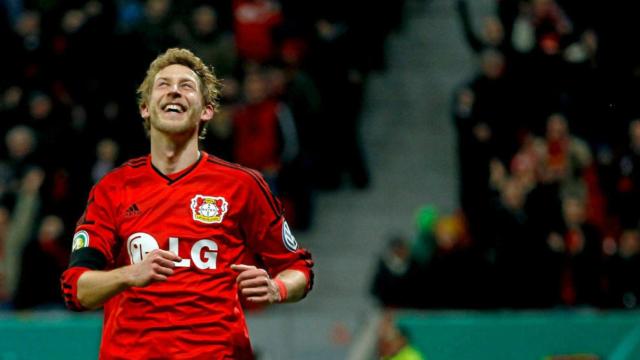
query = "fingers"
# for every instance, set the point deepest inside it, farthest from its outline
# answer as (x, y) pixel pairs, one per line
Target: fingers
(256, 291)
(158, 277)
(162, 270)
(160, 265)
(260, 299)
(248, 272)
(242, 267)
(255, 284)
(165, 263)
(167, 255)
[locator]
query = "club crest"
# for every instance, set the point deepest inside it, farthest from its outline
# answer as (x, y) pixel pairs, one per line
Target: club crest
(209, 209)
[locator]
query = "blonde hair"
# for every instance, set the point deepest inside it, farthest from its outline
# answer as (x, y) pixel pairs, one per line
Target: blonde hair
(208, 83)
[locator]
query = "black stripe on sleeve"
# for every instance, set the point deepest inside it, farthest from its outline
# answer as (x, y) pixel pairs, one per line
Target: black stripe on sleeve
(88, 257)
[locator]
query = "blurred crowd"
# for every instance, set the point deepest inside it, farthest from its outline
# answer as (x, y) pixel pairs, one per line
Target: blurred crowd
(293, 76)
(548, 140)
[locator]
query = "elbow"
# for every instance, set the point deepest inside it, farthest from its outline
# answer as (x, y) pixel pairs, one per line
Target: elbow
(85, 303)
(70, 293)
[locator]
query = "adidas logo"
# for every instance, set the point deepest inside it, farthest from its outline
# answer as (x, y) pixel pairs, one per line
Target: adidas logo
(133, 210)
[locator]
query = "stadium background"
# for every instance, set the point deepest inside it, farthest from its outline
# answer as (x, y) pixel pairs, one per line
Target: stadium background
(381, 120)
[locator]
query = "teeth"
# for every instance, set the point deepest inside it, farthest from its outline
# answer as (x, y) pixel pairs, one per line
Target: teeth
(173, 107)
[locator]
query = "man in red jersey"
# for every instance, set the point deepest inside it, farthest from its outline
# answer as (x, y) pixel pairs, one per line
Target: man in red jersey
(167, 241)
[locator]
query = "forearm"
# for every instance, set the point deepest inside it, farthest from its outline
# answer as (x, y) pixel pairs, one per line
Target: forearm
(295, 282)
(24, 215)
(96, 287)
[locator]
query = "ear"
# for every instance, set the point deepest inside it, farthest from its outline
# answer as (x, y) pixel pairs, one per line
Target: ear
(144, 111)
(207, 113)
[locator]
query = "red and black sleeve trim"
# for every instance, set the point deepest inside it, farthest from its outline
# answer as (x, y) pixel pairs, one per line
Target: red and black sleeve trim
(89, 258)
(274, 203)
(68, 284)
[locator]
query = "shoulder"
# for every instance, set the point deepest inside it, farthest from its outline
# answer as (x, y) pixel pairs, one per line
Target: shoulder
(241, 173)
(249, 179)
(118, 176)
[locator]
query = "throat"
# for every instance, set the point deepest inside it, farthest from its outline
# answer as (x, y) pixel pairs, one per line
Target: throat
(171, 159)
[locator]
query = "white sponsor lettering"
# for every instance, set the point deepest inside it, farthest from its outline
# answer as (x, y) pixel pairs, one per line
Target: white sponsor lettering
(204, 253)
(210, 253)
(174, 246)
(139, 245)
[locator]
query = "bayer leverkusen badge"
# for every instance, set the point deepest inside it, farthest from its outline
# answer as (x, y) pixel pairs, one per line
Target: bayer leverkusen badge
(209, 209)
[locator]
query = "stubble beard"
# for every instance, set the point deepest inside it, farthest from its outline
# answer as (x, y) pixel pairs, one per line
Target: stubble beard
(173, 126)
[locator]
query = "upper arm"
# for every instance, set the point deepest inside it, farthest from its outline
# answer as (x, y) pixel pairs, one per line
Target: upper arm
(93, 243)
(269, 235)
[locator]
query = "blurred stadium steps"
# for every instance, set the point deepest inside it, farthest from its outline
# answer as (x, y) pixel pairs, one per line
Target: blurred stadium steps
(409, 141)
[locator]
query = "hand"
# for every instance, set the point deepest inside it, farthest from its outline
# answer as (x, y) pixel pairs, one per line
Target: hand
(256, 285)
(32, 181)
(156, 266)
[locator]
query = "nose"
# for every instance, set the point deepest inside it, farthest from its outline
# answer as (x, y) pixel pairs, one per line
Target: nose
(174, 89)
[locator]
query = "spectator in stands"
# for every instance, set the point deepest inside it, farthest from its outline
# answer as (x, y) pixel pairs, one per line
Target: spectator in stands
(340, 82)
(214, 46)
(23, 215)
(625, 194)
(455, 276)
(492, 35)
(157, 30)
(575, 251)
(10, 109)
(264, 132)
(539, 24)
(254, 23)
(43, 261)
(486, 130)
(566, 156)
(106, 157)
(28, 47)
(517, 253)
(526, 164)
(396, 276)
(393, 341)
(219, 138)
(622, 267)
(50, 122)
(292, 87)
(21, 145)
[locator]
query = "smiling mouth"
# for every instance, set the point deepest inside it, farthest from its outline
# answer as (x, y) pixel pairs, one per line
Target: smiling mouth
(174, 108)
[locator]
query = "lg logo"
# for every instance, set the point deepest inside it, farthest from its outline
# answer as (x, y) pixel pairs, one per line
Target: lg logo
(204, 253)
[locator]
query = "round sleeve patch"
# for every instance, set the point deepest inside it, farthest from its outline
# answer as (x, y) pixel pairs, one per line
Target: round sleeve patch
(287, 238)
(80, 240)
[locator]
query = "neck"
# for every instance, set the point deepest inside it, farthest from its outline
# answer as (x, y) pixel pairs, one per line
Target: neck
(173, 154)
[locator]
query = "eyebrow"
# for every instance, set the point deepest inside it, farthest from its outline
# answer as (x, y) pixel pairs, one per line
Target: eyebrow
(182, 79)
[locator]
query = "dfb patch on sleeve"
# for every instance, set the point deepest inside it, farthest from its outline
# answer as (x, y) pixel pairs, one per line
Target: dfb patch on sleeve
(287, 238)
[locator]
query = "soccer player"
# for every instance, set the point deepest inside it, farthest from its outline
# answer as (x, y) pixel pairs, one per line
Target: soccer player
(172, 243)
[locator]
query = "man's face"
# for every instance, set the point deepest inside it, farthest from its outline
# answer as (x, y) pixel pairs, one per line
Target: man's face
(175, 105)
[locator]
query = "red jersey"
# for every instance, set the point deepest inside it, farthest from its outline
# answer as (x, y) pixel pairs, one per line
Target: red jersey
(212, 215)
